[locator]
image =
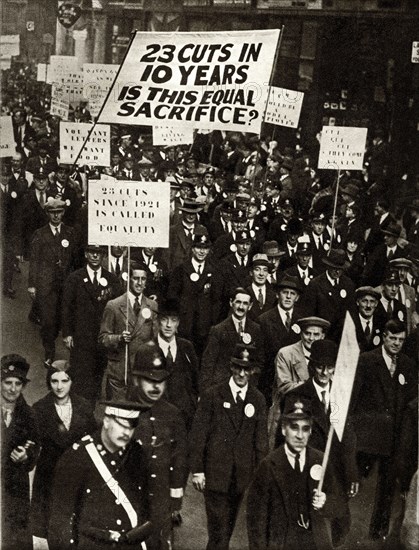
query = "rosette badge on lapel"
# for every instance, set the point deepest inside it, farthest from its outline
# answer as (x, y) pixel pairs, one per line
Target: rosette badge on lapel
(68, 14)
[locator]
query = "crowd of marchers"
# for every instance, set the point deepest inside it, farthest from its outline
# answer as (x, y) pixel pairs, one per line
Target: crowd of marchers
(212, 358)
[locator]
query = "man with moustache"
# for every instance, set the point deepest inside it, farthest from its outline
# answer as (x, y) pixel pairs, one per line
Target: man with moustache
(161, 433)
(100, 488)
(227, 442)
(367, 326)
(127, 322)
(237, 328)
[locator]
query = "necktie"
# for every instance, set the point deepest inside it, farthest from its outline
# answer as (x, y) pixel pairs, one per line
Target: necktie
(324, 402)
(239, 398)
(57, 234)
(260, 298)
(389, 309)
(393, 366)
(42, 198)
(95, 281)
(288, 320)
(137, 306)
(117, 267)
(240, 327)
(169, 356)
(7, 417)
(367, 331)
(199, 269)
(390, 255)
(297, 466)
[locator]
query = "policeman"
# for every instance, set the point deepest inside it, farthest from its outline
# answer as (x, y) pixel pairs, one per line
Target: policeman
(99, 496)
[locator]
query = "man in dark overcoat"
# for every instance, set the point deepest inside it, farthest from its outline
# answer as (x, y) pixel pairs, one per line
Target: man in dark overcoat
(285, 510)
(52, 259)
(86, 293)
(227, 442)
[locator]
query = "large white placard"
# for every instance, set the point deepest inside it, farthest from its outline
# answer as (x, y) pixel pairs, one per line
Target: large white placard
(415, 52)
(42, 72)
(164, 135)
(97, 150)
(61, 66)
(342, 148)
(7, 140)
(97, 79)
(128, 213)
(9, 45)
(284, 107)
(213, 80)
(60, 104)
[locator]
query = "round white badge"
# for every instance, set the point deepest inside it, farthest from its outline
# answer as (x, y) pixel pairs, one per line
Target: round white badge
(246, 338)
(194, 277)
(152, 268)
(124, 276)
(400, 315)
(408, 304)
(13, 194)
(376, 340)
(233, 248)
(316, 472)
(263, 207)
(146, 313)
(296, 328)
(252, 233)
(64, 243)
(326, 246)
(343, 293)
(249, 410)
(307, 280)
(283, 227)
(402, 379)
(67, 202)
(103, 281)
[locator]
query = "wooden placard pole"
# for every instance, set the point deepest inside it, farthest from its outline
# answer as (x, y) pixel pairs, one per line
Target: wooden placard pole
(127, 320)
(335, 203)
(325, 458)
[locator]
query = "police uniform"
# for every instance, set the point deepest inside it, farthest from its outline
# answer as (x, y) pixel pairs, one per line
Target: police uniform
(97, 492)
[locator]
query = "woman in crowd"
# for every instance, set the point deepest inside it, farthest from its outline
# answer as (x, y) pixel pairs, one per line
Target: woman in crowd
(62, 418)
(18, 454)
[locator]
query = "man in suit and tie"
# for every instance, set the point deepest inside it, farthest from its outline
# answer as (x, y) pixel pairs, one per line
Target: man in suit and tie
(263, 296)
(303, 255)
(368, 325)
(332, 293)
(227, 442)
(285, 509)
(128, 321)
(389, 306)
(378, 261)
(181, 234)
(181, 362)
(319, 239)
(279, 329)
(407, 294)
(53, 250)
(86, 293)
(237, 328)
(386, 382)
(271, 249)
(316, 391)
(192, 284)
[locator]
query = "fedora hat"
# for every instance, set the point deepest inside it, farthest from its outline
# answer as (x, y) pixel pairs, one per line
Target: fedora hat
(288, 281)
(336, 259)
(271, 248)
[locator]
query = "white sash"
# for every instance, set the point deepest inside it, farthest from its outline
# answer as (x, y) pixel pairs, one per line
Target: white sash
(112, 483)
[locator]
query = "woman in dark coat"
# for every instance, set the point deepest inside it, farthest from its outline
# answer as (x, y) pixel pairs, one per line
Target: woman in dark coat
(62, 418)
(18, 454)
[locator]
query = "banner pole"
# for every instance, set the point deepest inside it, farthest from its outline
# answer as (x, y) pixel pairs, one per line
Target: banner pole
(325, 458)
(133, 34)
(335, 203)
(278, 47)
(127, 320)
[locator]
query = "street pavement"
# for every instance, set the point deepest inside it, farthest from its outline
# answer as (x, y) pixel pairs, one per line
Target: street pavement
(21, 336)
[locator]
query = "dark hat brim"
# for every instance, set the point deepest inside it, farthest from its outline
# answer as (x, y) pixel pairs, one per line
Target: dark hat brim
(335, 265)
(155, 375)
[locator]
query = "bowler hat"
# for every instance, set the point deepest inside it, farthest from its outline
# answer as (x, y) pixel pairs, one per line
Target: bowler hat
(336, 259)
(242, 356)
(323, 352)
(294, 226)
(150, 363)
(296, 408)
(169, 308)
(288, 281)
(14, 365)
(271, 249)
(393, 229)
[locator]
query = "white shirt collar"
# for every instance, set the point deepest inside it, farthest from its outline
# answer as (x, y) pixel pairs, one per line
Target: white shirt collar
(365, 321)
(196, 264)
(291, 457)
(132, 298)
(256, 289)
(333, 282)
(164, 346)
(235, 388)
(91, 272)
(320, 389)
(386, 357)
(55, 227)
(283, 313)
(236, 322)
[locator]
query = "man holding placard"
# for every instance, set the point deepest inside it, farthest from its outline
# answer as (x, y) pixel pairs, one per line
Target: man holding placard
(128, 321)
